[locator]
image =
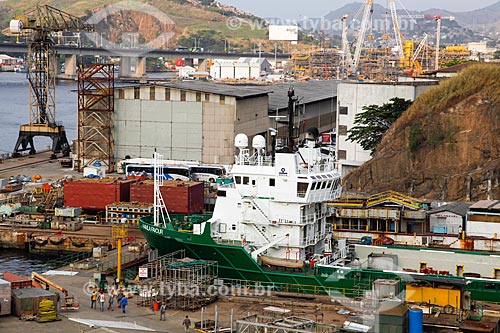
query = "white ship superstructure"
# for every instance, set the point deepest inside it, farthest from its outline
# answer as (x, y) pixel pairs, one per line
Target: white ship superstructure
(277, 208)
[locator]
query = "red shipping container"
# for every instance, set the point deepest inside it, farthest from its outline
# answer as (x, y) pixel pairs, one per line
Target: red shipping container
(180, 197)
(92, 194)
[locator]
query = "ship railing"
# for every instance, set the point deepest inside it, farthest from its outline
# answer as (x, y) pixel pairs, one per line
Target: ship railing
(305, 168)
(311, 240)
(339, 254)
(249, 287)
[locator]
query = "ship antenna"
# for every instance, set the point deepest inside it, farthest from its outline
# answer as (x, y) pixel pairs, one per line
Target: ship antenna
(159, 204)
(291, 103)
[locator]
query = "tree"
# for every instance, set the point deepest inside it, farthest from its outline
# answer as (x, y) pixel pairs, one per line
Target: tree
(371, 125)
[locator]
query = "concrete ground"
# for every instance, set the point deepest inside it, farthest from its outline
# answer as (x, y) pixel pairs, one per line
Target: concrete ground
(145, 316)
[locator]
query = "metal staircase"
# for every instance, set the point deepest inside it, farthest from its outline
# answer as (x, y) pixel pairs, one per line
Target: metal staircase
(256, 206)
(261, 233)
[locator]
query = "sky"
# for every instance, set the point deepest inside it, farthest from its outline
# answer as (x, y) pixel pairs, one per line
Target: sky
(294, 9)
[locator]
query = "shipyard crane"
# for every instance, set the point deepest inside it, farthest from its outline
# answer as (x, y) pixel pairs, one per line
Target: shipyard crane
(361, 34)
(398, 35)
(346, 50)
(414, 58)
(39, 25)
(438, 19)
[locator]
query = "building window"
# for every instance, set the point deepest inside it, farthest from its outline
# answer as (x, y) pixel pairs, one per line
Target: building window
(272, 182)
(246, 180)
(198, 97)
(137, 92)
(237, 179)
(342, 130)
(167, 94)
(207, 97)
(302, 189)
(121, 94)
(342, 155)
(343, 110)
(183, 96)
(152, 93)
(222, 99)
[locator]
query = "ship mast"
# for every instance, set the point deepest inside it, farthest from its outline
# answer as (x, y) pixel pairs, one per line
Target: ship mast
(291, 106)
(159, 204)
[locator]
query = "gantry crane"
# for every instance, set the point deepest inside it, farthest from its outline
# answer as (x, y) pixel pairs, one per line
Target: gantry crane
(39, 25)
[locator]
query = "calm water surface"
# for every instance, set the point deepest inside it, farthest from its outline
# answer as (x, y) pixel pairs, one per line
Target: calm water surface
(18, 263)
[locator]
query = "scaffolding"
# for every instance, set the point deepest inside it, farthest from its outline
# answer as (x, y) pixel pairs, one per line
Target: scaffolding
(183, 283)
(95, 116)
(263, 324)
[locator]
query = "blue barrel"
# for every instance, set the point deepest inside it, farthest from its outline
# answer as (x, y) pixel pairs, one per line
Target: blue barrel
(416, 321)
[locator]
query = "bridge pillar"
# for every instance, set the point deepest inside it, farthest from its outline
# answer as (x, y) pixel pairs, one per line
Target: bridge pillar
(132, 66)
(70, 65)
(140, 69)
(125, 66)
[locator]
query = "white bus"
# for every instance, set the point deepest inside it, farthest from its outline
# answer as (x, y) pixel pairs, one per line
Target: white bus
(207, 173)
(170, 172)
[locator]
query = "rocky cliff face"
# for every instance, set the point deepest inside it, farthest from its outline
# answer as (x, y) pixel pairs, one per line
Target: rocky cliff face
(446, 146)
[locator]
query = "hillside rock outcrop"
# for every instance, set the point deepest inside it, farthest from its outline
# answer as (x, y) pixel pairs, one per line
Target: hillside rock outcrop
(446, 146)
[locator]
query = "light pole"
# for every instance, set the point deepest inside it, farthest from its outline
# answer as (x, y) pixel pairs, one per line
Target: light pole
(226, 46)
(102, 33)
(275, 60)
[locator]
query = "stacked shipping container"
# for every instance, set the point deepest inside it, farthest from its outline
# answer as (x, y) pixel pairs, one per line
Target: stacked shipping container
(95, 194)
(180, 197)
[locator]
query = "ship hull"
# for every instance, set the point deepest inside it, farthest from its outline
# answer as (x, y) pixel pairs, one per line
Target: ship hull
(235, 263)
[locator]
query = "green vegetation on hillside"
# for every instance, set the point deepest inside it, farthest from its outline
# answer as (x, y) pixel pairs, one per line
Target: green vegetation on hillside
(208, 24)
(424, 129)
(371, 125)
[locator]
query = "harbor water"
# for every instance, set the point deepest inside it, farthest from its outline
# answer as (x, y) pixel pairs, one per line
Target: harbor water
(15, 110)
(18, 263)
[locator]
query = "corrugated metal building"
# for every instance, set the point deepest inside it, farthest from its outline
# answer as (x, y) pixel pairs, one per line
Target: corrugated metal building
(198, 121)
(187, 120)
(483, 219)
(448, 219)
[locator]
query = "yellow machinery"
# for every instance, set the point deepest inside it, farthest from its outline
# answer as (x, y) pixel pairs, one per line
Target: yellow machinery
(443, 296)
(68, 302)
(119, 232)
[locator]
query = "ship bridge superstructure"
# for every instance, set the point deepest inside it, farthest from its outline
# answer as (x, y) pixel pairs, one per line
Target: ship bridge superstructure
(277, 206)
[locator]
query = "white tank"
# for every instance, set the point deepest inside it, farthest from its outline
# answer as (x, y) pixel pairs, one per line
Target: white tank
(241, 141)
(258, 142)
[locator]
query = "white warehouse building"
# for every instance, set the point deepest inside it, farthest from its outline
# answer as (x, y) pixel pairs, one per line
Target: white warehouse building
(244, 68)
(187, 120)
(351, 98)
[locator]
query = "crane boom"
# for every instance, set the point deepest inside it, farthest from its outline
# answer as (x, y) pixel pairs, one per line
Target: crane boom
(361, 34)
(438, 41)
(346, 56)
(46, 282)
(398, 35)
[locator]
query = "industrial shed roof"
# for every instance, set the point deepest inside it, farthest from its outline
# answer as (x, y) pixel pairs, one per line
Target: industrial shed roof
(307, 92)
(459, 208)
(238, 91)
(486, 205)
